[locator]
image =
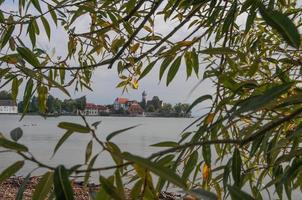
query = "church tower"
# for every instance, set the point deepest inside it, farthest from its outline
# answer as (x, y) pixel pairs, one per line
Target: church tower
(144, 100)
(144, 96)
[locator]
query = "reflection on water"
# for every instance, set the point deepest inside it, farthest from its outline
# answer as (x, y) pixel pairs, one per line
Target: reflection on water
(41, 136)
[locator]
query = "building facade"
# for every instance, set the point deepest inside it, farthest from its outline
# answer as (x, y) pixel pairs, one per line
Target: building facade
(91, 109)
(121, 103)
(135, 109)
(94, 110)
(8, 107)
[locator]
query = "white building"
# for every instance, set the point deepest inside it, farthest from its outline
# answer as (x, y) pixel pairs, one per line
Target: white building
(8, 106)
(120, 103)
(91, 109)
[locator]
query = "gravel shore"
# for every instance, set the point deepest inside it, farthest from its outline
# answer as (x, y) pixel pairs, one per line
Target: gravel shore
(10, 187)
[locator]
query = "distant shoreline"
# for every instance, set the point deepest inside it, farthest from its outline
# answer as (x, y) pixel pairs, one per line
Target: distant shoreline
(109, 115)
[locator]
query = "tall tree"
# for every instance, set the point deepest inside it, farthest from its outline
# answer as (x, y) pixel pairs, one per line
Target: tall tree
(4, 95)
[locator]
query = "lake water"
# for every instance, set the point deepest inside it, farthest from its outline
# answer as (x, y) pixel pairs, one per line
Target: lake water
(41, 135)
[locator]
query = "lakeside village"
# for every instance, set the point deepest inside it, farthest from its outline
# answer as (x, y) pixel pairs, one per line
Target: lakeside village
(121, 107)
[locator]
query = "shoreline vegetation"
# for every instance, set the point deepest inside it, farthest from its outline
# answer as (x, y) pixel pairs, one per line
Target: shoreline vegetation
(121, 107)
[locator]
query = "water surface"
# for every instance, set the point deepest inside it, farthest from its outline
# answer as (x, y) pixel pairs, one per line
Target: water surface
(41, 135)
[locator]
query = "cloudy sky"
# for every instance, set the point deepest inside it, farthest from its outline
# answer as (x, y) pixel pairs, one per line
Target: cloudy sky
(104, 81)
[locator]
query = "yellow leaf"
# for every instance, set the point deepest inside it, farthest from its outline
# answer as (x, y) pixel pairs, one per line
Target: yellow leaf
(147, 28)
(206, 172)
(185, 43)
(209, 118)
(135, 84)
(134, 48)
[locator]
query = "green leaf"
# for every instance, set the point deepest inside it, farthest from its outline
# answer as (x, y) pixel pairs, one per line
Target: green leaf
(292, 171)
(7, 36)
(218, 51)
(46, 26)
(15, 88)
(11, 170)
(16, 134)
(96, 124)
(109, 188)
(33, 74)
(206, 153)
(203, 194)
(230, 17)
(189, 64)
(238, 194)
(42, 98)
(136, 189)
(255, 102)
(147, 70)
(3, 72)
(28, 56)
(195, 62)
(115, 152)
(251, 17)
(159, 170)
(22, 188)
(27, 93)
(43, 187)
(246, 5)
(53, 15)
(88, 151)
(119, 183)
(32, 33)
(164, 65)
(199, 100)
(173, 69)
(283, 25)
(165, 144)
(236, 167)
(62, 186)
(115, 133)
(295, 133)
(74, 127)
(90, 165)
(226, 174)
(37, 5)
(190, 165)
(12, 145)
(62, 140)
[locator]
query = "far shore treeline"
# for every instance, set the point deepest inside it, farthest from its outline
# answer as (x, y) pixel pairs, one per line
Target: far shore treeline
(56, 106)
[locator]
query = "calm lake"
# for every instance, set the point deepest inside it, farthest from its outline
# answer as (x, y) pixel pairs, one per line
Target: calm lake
(41, 135)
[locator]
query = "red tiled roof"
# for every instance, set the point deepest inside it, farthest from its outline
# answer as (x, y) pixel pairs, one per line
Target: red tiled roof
(7, 103)
(91, 106)
(100, 107)
(121, 100)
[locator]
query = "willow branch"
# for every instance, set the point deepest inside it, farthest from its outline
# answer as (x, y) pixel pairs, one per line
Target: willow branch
(121, 51)
(124, 19)
(271, 125)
